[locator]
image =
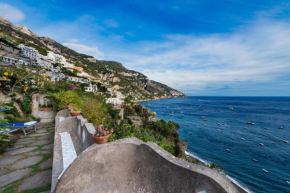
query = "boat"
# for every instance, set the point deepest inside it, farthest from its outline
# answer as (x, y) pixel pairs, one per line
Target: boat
(266, 127)
(231, 108)
(245, 127)
(268, 134)
(288, 182)
(281, 127)
(228, 150)
(255, 160)
(203, 117)
(205, 120)
(273, 142)
(250, 123)
(243, 139)
(261, 144)
(285, 141)
(265, 170)
(171, 114)
(218, 130)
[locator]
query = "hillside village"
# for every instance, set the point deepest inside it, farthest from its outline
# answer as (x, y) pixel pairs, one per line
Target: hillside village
(54, 67)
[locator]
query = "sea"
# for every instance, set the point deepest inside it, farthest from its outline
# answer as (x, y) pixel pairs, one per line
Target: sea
(217, 130)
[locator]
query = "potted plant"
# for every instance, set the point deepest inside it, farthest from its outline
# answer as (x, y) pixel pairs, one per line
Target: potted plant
(102, 134)
(75, 111)
(45, 107)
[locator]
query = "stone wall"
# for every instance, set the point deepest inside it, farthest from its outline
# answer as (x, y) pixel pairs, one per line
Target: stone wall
(45, 116)
(126, 165)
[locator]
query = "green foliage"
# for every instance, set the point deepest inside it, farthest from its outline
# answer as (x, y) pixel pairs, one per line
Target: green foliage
(212, 166)
(25, 104)
(95, 110)
(63, 98)
(194, 161)
(114, 113)
(166, 129)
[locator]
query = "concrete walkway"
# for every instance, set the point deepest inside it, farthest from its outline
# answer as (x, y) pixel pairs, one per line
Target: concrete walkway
(26, 167)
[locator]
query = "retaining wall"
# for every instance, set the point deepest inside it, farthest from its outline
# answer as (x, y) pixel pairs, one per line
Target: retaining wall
(126, 165)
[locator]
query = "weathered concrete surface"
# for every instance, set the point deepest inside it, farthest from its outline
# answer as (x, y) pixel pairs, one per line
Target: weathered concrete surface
(129, 165)
(46, 164)
(4, 160)
(26, 162)
(37, 180)
(13, 176)
(3, 171)
(22, 150)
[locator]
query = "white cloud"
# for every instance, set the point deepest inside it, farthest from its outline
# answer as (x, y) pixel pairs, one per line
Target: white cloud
(255, 54)
(11, 13)
(92, 51)
(111, 23)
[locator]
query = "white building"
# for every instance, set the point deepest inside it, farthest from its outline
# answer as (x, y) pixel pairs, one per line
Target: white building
(29, 52)
(91, 88)
(55, 76)
(114, 101)
(77, 79)
(67, 65)
(8, 59)
(56, 57)
(44, 63)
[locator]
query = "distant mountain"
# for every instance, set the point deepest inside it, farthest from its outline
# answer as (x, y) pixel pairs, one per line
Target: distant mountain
(129, 82)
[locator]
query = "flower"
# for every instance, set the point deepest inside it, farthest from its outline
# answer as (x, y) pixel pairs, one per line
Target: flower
(4, 77)
(11, 74)
(6, 73)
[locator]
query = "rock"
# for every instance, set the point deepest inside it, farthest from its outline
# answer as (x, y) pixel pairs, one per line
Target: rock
(24, 141)
(19, 151)
(42, 142)
(37, 180)
(13, 176)
(46, 164)
(50, 146)
(26, 162)
(8, 159)
(39, 134)
(3, 171)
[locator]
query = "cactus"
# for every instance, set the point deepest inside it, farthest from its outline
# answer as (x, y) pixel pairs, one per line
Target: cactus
(101, 131)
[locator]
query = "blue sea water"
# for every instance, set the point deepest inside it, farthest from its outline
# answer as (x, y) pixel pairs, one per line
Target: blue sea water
(219, 139)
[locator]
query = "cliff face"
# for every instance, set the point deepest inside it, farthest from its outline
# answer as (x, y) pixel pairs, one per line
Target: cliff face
(128, 82)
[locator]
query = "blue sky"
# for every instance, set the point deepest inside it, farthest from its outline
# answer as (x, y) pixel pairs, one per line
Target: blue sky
(201, 47)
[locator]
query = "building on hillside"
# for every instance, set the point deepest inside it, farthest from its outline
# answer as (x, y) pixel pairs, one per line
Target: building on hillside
(115, 101)
(29, 52)
(77, 79)
(24, 61)
(91, 88)
(67, 65)
(56, 57)
(55, 76)
(9, 59)
(44, 63)
(119, 95)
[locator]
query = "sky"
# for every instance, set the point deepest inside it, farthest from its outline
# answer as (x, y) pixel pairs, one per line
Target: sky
(200, 47)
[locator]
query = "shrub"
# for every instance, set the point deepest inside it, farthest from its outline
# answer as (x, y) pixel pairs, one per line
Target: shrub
(94, 109)
(63, 98)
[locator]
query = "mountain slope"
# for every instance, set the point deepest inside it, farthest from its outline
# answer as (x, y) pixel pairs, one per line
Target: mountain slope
(129, 82)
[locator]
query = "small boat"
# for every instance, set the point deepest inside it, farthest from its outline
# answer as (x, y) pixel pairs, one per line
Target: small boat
(228, 150)
(243, 139)
(218, 130)
(231, 108)
(265, 170)
(273, 142)
(204, 125)
(203, 117)
(288, 182)
(250, 123)
(268, 134)
(245, 127)
(255, 160)
(219, 124)
(261, 144)
(266, 127)
(205, 120)
(285, 141)
(281, 127)
(171, 114)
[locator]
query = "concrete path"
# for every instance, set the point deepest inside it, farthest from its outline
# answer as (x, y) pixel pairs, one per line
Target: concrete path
(26, 167)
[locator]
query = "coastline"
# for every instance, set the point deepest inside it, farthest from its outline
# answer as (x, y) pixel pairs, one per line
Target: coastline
(235, 182)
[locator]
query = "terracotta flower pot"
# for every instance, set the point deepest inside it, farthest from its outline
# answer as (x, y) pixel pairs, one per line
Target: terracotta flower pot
(45, 108)
(100, 140)
(75, 113)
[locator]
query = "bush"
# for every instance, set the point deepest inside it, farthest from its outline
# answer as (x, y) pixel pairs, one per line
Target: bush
(63, 98)
(25, 104)
(94, 109)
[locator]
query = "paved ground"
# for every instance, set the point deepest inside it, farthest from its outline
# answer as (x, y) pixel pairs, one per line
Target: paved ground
(26, 167)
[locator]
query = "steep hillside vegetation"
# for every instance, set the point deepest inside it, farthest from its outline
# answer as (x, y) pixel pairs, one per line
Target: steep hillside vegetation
(130, 83)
